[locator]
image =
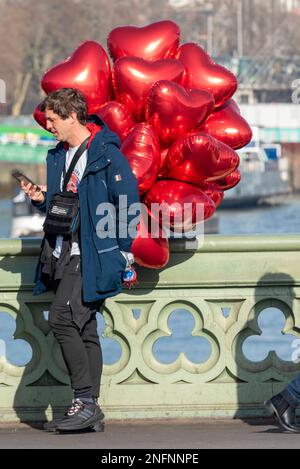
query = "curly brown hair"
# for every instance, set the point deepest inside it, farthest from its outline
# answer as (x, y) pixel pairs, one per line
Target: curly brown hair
(65, 101)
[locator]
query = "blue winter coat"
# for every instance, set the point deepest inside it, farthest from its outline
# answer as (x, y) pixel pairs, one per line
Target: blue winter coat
(106, 176)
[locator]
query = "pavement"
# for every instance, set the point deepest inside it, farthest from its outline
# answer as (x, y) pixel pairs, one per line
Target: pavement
(200, 434)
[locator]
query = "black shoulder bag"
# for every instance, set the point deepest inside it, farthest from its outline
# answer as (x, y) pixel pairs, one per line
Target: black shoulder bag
(63, 214)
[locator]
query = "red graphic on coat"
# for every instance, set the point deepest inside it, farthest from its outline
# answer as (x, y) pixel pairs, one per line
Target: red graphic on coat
(73, 183)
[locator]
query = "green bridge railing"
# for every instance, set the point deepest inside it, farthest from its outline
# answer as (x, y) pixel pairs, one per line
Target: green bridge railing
(240, 275)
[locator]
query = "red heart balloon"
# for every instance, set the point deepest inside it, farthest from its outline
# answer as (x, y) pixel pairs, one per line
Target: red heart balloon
(141, 148)
(229, 181)
(163, 156)
(150, 249)
(133, 78)
(229, 160)
(174, 111)
(39, 116)
(227, 125)
(153, 42)
(183, 215)
(88, 70)
(212, 190)
(201, 72)
(196, 158)
(117, 117)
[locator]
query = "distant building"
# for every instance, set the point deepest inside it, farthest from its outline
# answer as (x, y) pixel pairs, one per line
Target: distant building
(290, 5)
(264, 79)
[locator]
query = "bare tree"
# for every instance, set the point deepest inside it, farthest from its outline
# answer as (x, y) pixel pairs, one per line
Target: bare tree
(36, 34)
(43, 33)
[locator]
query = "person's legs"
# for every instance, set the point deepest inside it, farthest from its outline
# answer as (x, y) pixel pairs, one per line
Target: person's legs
(84, 315)
(92, 345)
(67, 333)
(82, 354)
(85, 412)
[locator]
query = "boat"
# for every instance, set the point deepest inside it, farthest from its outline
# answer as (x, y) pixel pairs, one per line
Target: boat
(264, 176)
(26, 220)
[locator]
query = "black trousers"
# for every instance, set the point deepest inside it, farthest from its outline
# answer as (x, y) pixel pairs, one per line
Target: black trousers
(74, 326)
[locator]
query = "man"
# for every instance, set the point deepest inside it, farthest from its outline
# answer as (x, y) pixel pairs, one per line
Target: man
(85, 268)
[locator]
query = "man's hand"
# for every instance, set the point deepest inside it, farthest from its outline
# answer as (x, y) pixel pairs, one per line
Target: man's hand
(129, 256)
(33, 193)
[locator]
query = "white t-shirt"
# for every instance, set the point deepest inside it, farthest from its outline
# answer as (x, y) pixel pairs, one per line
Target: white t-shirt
(71, 186)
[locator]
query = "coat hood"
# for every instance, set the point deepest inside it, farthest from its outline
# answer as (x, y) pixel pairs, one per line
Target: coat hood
(96, 126)
(100, 131)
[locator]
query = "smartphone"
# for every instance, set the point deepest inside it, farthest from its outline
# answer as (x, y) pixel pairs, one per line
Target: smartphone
(22, 177)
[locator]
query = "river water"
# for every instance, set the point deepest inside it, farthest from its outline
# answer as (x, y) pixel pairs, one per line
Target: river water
(276, 219)
(282, 218)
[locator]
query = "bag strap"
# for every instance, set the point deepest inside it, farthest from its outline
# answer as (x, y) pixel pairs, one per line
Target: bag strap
(75, 159)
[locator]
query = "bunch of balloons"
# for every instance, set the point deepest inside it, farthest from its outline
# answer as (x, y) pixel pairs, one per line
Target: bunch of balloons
(172, 108)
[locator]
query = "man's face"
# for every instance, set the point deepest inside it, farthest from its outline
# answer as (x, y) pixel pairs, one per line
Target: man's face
(60, 128)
